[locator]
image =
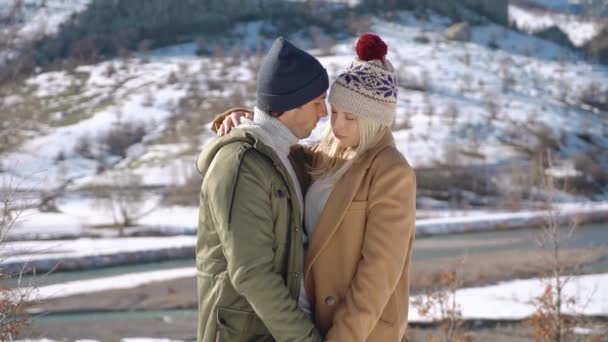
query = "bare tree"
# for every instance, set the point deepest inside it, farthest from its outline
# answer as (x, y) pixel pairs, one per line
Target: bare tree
(595, 96)
(13, 302)
(357, 24)
(492, 106)
(466, 84)
(451, 113)
(124, 198)
(429, 109)
(323, 42)
(549, 322)
(507, 77)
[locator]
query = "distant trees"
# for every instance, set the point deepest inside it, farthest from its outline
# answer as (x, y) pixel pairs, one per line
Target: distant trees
(107, 27)
(16, 46)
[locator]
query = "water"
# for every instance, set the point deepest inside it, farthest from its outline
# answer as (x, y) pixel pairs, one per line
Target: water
(113, 315)
(590, 235)
(62, 277)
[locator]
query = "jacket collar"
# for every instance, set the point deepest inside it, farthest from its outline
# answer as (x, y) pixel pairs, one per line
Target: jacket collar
(239, 135)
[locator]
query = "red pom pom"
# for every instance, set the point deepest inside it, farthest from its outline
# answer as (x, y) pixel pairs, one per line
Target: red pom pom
(371, 46)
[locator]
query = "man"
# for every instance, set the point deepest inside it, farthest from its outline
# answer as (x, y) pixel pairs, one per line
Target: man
(250, 240)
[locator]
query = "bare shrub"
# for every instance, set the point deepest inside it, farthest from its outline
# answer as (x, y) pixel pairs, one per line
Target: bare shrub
(322, 41)
(118, 139)
(83, 147)
(411, 81)
(13, 301)
(451, 113)
(356, 24)
(530, 138)
(507, 77)
(185, 194)
(492, 106)
(123, 198)
(595, 96)
(172, 79)
(440, 305)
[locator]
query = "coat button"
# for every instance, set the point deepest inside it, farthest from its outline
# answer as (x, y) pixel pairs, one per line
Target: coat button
(330, 300)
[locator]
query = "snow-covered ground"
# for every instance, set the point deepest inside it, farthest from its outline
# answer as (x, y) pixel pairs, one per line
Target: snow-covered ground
(515, 299)
(507, 300)
(125, 281)
(86, 253)
(88, 216)
(578, 28)
(29, 251)
(82, 217)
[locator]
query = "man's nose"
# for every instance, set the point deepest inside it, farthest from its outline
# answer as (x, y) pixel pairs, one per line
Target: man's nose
(323, 110)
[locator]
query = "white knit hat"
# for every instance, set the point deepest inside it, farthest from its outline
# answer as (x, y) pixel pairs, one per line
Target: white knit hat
(368, 88)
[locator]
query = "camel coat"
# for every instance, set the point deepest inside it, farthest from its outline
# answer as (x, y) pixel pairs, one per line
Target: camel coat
(358, 262)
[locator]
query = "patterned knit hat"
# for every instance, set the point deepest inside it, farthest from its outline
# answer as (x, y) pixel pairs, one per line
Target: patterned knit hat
(368, 88)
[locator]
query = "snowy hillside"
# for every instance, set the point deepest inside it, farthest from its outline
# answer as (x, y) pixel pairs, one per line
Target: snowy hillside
(580, 29)
(489, 101)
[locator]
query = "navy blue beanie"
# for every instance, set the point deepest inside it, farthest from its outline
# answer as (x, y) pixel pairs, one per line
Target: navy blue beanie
(289, 78)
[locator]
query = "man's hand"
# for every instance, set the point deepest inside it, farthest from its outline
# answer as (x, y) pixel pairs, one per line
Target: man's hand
(231, 121)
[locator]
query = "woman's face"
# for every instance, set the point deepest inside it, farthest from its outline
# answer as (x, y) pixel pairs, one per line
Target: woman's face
(345, 127)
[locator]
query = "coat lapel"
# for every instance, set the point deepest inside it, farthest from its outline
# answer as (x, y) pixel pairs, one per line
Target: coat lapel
(337, 204)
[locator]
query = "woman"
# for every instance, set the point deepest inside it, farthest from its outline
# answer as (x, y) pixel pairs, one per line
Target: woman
(360, 208)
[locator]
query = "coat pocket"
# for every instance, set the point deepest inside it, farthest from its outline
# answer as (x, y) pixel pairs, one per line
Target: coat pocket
(358, 205)
(240, 326)
(391, 311)
(210, 268)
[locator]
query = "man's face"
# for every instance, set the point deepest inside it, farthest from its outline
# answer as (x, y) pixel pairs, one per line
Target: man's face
(302, 120)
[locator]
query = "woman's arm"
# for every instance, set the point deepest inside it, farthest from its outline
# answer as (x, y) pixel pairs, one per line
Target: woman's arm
(390, 226)
(229, 119)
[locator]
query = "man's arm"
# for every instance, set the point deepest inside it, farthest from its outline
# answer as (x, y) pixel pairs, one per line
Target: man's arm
(247, 237)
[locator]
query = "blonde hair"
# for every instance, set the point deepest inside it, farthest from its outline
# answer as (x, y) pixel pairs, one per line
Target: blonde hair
(336, 160)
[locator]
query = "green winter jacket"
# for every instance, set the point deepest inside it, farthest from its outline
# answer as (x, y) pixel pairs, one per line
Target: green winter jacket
(249, 255)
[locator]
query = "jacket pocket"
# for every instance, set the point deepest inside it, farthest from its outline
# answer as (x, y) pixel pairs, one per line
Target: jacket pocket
(358, 205)
(210, 268)
(391, 311)
(240, 326)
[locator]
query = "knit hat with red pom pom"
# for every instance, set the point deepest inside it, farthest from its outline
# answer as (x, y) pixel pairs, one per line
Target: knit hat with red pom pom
(368, 88)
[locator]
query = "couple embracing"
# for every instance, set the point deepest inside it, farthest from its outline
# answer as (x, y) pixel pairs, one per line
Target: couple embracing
(307, 243)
